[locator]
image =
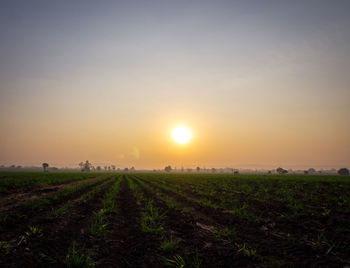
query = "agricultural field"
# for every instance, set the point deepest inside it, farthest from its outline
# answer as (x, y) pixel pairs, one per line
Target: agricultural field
(173, 220)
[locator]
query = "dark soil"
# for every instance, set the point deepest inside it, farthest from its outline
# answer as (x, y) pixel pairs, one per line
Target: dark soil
(198, 240)
(55, 239)
(274, 247)
(126, 245)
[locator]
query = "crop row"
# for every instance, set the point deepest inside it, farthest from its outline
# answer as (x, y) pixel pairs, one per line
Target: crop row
(17, 181)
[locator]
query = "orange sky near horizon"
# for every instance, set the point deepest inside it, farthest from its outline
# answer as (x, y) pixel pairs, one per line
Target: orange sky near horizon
(258, 85)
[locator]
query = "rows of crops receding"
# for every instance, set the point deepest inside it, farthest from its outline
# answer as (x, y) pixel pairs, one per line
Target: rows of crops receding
(179, 220)
(18, 181)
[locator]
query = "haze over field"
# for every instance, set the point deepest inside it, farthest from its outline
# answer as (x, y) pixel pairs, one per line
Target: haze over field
(258, 83)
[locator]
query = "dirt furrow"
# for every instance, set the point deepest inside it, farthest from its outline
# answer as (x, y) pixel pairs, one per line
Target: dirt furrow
(126, 245)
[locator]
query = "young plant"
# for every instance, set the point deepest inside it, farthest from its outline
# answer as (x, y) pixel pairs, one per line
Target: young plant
(3, 246)
(34, 231)
(76, 260)
(226, 233)
(320, 240)
(196, 261)
(99, 225)
(246, 251)
(151, 219)
(177, 262)
(169, 244)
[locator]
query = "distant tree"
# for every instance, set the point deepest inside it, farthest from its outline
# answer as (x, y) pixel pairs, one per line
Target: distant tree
(45, 166)
(281, 171)
(269, 172)
(306, 172)
(168, 168)
(113, 167)
(126, 169)
(106, 168)
(213, 170)
(198, 169)
(109, 168)
(81, 165)
(236, 172)
(132, 169)
(343, 172)
(98, 168)
(86, 166)
(311, 170)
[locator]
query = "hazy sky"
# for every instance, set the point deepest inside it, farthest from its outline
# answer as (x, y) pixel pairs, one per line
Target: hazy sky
(260, 83)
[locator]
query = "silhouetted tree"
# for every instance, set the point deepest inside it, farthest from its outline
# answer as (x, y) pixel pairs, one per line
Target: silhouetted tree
(132, 169)
(311, 170)
(98, 168)
(213, 170)
(81, 165)
(86, 166)
(281, 171)
(343, 172)
(236, 172)
(126, 169)
(168, 168)
(198, 169)
(45, 166)
(113, 167)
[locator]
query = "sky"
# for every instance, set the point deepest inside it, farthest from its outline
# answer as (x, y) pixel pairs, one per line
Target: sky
(258, 83)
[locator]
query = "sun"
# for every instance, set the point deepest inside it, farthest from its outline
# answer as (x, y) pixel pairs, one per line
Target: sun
(181, 135)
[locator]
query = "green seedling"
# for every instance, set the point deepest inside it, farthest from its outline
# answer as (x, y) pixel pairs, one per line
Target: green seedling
(246, 251)
(3, 246)
(151, 219)
(169, 244)
(177, 262)
(226, 233)
(99, 225)
(33, 231)
(75, 260)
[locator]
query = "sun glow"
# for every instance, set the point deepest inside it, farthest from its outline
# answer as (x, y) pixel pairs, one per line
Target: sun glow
(181, 135)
